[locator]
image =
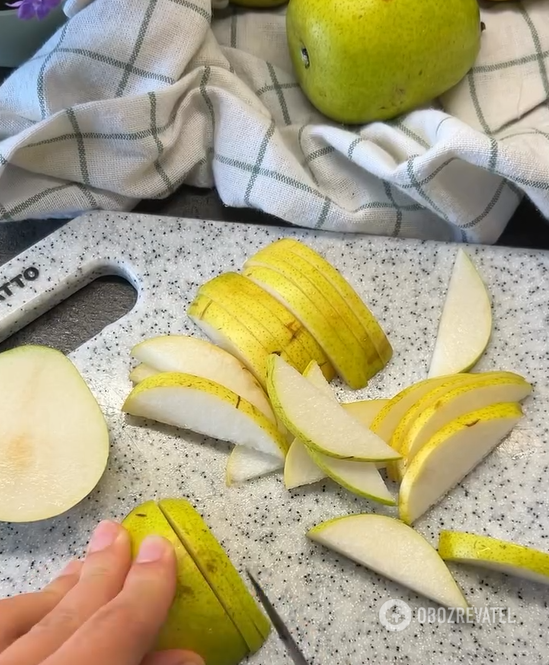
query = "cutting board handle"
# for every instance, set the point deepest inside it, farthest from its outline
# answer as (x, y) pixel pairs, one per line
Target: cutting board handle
(37, 280)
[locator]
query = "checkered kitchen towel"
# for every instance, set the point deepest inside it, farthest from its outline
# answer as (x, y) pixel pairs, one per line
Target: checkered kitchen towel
(132, 98)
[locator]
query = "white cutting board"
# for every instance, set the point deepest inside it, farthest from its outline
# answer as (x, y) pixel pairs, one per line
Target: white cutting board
(330, 604)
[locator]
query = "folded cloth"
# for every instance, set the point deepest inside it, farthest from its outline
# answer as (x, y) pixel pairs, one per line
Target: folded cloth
(132, 98)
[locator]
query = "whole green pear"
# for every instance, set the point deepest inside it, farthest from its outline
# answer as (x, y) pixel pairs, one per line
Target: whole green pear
(364, 60)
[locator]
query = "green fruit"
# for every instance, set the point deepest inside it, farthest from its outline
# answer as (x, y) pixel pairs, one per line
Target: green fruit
(197, 620)
(364, 60)
(218, 570)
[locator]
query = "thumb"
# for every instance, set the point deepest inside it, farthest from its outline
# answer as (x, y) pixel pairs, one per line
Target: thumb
(173, 658)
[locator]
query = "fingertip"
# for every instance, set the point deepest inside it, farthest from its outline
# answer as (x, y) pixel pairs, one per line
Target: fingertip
(174, 657)
(154, 549)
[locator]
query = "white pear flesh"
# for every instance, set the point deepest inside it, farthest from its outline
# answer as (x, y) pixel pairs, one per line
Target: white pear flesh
(54, 441)
(392, 549)
(246, 464)
(141, 372)
(299, 468)
(208, 408)
(493, 554)
(466, 322)
(305, 466)
(319, 420)
(190, 355)
(451, 454)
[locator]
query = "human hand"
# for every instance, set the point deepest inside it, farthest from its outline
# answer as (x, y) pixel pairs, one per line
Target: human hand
(103, 610)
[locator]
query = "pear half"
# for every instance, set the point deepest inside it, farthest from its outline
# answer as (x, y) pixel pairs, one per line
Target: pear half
(494, 554)
(197, 619)
(466, 322)
(246, 464)
(392, 549)
(141, 372)
(190, 355)
(54, 441)
(318, 419)
(203, 406)
(218, 570)
(451, 454)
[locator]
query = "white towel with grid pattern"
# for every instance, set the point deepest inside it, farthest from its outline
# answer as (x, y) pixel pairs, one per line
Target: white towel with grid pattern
(132, 98)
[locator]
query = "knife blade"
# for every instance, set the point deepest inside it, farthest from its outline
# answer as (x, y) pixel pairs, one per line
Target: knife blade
(283, 632)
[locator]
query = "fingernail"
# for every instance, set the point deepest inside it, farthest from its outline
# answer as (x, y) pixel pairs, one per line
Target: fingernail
(153, 548)
(104, 536)
(71, 568)
(190, 660)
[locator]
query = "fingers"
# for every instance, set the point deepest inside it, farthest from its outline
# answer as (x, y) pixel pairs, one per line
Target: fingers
(101, 579)
(124, 631)
(173, 658)
(19, 614)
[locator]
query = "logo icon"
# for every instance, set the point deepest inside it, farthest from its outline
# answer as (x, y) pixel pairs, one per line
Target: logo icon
(395, 615)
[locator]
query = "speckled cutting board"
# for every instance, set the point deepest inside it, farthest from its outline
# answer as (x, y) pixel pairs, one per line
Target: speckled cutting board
(330, 604)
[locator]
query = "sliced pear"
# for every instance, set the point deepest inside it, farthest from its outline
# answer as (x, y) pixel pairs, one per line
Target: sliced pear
(348, 358)
(299, 467)
(264, 315)
(245, 464)
(305, 466)
(218, 571)
(459, 401)
(228, 333)
(190, 355)
(321, 294)
(388, 419)
(466, 321)
(494, 554)
(54, 441)
(346, 291)
(141, 372)
(267, 329)
(432, 398)
(451, 454)
(231, 334)
(196, 608)
(203, 406)
(394, 550)
(365, 410)
(317, 419)
(361, 478)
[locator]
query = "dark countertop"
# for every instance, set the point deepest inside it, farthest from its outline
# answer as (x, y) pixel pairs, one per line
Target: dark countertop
(105, 300)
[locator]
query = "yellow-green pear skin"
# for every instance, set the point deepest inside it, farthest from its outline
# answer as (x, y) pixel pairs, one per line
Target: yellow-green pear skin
(494, 554)
(364, 60)
(196, 621)
(218, 570)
